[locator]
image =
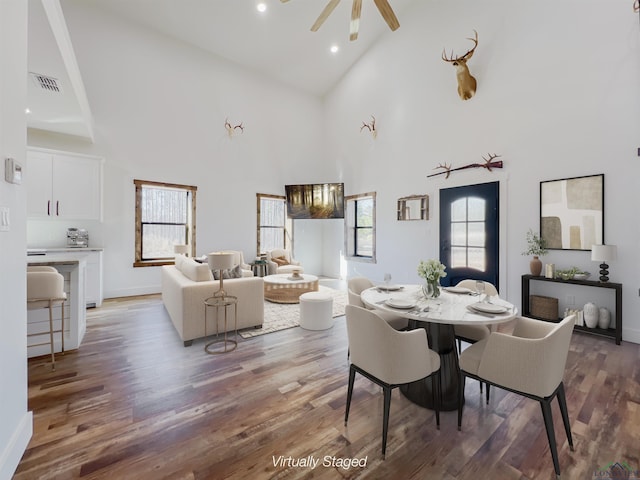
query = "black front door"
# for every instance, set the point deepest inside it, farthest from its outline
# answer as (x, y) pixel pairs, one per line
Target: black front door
(469, 233)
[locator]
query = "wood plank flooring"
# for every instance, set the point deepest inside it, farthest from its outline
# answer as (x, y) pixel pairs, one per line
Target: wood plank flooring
(133, 403)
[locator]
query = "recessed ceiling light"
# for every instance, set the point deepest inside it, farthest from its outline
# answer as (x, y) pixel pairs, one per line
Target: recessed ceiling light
(26, 110)
(334, 49)
(261, 7)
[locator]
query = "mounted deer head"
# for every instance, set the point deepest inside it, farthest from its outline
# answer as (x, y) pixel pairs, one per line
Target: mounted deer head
(231, 130)
(466, 82)
(636, 6)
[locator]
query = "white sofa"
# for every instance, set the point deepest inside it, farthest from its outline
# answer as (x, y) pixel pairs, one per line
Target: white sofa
(187, 284)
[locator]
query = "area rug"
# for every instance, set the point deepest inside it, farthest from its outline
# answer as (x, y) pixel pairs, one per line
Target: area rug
(280, 316)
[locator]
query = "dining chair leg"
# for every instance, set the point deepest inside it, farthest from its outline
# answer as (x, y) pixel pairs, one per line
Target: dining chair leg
(562, 402)
(548, 423)
(385, 418)
(487, 392)
(352, 376)
(461, 399)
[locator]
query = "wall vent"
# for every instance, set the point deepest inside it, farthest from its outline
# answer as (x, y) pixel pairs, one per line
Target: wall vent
(46, 82)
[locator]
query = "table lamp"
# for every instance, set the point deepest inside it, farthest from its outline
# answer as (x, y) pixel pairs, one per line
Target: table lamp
(220, 261)
(181, 250)
(604, 254)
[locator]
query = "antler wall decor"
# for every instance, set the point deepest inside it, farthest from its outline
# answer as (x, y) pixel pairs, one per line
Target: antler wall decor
(231, 129)
(489, 164)
(466, 82)
(636, 6)
(371, 126)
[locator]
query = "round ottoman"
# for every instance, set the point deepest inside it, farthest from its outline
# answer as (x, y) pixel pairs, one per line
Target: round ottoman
(316, 311)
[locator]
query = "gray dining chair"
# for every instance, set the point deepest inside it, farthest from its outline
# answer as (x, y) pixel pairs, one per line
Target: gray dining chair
(529, 362)
(473, 333)
(355, 287)
(388, 358)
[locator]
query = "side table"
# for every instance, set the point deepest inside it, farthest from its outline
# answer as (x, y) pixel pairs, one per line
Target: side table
(259, 268)
(222, 302)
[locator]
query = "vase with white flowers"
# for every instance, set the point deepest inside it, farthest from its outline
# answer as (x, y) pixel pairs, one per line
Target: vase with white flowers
(537, 247)
(432, 271)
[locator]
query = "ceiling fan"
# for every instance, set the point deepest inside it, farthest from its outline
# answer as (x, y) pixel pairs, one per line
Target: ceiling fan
(383, 6)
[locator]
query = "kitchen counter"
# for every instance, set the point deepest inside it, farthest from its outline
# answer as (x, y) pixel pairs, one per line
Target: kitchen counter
(93, 258)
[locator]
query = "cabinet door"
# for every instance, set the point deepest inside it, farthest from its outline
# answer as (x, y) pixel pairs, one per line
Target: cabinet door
(38, 182)
(76, 188)
(93, 290)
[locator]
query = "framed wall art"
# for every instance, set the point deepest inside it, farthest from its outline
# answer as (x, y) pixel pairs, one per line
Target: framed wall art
(572, 212)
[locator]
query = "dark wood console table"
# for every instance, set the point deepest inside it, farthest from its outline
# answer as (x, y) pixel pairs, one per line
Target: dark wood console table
(615, 332)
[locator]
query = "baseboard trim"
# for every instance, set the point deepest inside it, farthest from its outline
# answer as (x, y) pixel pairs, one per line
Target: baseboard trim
(133, 292)
(631, 335)
(11, 455)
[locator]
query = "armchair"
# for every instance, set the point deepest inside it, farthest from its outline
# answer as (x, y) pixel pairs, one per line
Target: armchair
(530, 362)
(279, 260)
(238, 259)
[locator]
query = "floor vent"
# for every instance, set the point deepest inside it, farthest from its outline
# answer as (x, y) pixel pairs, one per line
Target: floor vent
(46, 83)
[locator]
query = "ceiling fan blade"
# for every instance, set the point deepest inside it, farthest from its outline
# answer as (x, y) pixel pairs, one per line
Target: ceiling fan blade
(387, 13)
(324, 14)
(356, 10)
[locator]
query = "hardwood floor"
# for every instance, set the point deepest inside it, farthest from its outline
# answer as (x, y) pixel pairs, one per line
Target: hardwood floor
(133, 403)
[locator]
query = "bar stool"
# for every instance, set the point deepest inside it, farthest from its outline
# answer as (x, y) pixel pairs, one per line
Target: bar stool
(45, 289)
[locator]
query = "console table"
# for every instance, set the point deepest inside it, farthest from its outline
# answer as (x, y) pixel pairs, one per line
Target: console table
(615, 332)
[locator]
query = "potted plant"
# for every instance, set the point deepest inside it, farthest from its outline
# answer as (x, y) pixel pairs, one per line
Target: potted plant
(537, 247)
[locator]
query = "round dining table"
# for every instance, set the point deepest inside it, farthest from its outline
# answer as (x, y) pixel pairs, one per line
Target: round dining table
(454, 306)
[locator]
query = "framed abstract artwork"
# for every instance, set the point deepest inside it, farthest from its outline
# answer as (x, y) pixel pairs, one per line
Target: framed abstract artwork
(572, 212)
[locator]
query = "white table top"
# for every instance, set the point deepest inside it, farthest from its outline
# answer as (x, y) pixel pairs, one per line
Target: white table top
(450, 308)
(286, 279)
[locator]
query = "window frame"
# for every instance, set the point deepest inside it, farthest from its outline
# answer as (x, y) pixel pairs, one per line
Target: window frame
(287, 228)
(191, 222)
(351, 203)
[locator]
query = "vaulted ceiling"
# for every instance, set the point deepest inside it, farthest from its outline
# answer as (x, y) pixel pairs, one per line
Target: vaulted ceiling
(276, 43)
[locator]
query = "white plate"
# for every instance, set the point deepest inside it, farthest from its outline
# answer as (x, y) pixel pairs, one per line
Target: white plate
(457, 290)
(488, 307)
(390, 288)
(400, 303)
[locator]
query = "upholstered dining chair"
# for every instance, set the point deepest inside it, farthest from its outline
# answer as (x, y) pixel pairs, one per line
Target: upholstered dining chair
(388, 358)
(355, 287)
(529, 362)
(473, 333)
(45, 289)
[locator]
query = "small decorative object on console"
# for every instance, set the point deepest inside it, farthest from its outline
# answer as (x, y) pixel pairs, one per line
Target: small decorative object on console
(591, 315)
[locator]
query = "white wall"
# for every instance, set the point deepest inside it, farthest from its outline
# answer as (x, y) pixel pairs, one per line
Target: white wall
(15, 420)
(159, 108)
(558, 96)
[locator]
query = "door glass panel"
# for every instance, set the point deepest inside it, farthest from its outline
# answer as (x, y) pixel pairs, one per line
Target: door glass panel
(476, 209)
(459, 210)
(477, 259)
(458, 257)
(476, 234)
(459, 234)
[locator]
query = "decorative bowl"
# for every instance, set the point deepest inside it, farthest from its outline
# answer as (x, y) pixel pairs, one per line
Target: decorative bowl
(582, 276)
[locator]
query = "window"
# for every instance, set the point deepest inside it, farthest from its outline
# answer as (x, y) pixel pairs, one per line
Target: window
(165, 216)
(273, 224)
(360, 227)
(468, 241)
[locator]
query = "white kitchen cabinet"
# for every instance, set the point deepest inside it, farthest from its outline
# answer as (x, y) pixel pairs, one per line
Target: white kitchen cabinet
(63, 185)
